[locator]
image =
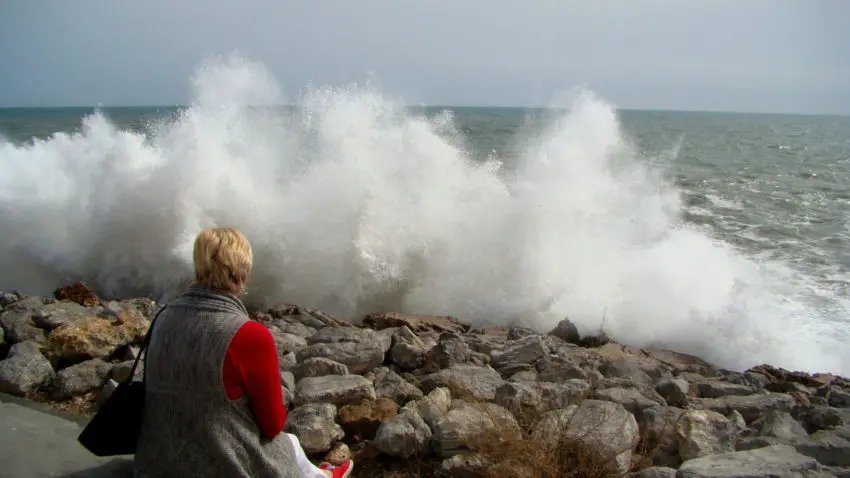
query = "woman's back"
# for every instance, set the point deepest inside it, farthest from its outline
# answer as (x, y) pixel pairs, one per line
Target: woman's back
(190, 427)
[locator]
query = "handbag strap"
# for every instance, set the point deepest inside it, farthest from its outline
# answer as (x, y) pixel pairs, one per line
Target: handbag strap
(143, 349)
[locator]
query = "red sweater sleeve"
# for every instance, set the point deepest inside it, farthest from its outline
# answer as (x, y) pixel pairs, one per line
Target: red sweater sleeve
(251, 367)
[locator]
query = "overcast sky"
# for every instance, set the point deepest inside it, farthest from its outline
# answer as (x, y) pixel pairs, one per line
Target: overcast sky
(753, 55)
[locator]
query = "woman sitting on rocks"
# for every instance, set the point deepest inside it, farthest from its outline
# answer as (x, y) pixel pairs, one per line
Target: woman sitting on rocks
(214, 404)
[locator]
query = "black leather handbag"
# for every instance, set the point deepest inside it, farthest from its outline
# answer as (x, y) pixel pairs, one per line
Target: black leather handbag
(115, 428)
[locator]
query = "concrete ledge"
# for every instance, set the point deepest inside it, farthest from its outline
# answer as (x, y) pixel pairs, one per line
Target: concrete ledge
(38, 441)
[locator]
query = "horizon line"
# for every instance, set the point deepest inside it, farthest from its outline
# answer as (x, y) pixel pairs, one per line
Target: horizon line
(446, 106)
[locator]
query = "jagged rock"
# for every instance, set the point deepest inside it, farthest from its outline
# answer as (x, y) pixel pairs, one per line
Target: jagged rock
(408, 356)
(606, 427)
(631, 399)
(737, 419)
(315, 426)
(751, 443)
(525, 376)
(674, 391)
(403, 435)
(409, 351)
(81, 378)
(540, 397)
(143, 305)
(120, 372)
(658, 426)
(826, 446)
(779, 424)
(839, 398)
(97, 337)
(51, 316)
(467, 424)
(9, 297)
(415, 323)
(838, 472)
(287, 362)
(25, 369)
(558, 370)
(656, 472)
(287, 379)
(703, 432)
(751, 407)
(336, 389)
(433, 406)
(318, 367)
(464, 466)
(450, 350)
(386, 338)
(286, 343)
(297, 329)
(362, 419)
(487, 340)
(719, 388)
(17, 323)
(779, 461)
(815, 419)
(566, 331)
(338, 455)
(360, 350)
(524, 351)
(627, 369)
(391, 385)
(465, 380)
(774, 374)
(313, 318)
(288, 397)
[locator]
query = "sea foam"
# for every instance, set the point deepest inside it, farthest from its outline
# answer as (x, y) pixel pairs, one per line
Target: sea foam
(355, 204)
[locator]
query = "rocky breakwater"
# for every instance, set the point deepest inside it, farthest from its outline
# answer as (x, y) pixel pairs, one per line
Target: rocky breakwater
(431, 396)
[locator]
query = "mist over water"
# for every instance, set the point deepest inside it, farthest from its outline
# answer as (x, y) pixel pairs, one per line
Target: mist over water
(354, 204)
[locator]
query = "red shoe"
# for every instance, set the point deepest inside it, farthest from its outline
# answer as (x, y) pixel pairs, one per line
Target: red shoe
(341, 471)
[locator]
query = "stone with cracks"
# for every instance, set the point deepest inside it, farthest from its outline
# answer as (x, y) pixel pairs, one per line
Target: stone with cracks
(606, 427)
(778, 461)
(336, 389)
(25, 370)
(403, 435)
(97, 337)
(315, 426)
(465, 380)
(81, 378)
(703, 432)
(464, 426)
(360, 350)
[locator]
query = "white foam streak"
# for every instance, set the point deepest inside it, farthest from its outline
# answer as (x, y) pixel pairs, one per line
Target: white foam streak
(353, 205)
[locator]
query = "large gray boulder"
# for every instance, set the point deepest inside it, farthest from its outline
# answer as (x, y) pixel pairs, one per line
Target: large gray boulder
(360, 350)
(606, 427)
(25, 370)
(404, 435)
(336, 389)
(315, 426)
(81, 378)
(465, 380)
(778, 461)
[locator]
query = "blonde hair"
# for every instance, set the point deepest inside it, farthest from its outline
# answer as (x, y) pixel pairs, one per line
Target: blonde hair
(223, 259)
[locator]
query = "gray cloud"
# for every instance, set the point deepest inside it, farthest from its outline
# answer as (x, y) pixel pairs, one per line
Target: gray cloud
(759, 55)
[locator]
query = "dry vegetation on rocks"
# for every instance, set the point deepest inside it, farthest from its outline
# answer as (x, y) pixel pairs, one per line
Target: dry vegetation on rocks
(414, 396)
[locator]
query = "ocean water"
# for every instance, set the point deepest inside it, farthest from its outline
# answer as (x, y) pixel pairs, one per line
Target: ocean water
(721, 235)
